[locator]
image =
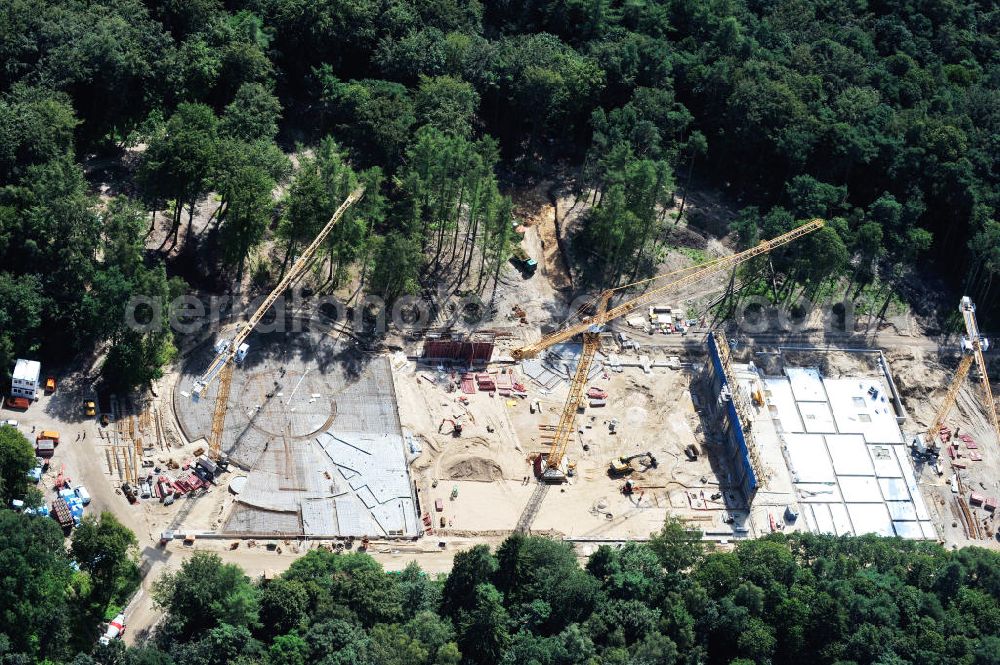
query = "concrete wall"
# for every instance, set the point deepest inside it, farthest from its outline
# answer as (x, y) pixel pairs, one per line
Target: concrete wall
(735, 439)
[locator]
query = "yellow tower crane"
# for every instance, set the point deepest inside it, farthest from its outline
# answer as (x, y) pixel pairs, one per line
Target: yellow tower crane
(973, 346)
(231, 351)
(591, 326)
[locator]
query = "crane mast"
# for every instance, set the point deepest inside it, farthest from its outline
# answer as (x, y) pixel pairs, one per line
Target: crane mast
(590, 328)
(973, 346)
(230, 351)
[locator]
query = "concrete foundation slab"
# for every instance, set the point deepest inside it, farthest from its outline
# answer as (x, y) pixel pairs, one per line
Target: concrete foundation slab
(316, 425)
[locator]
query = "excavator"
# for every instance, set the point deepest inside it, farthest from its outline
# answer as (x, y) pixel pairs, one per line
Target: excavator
(622, 466)
(456, 427)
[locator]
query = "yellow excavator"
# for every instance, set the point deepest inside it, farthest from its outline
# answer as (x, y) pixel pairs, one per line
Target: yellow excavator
(622, 466)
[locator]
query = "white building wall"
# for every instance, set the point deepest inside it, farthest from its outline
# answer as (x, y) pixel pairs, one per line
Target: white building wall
(26, 381)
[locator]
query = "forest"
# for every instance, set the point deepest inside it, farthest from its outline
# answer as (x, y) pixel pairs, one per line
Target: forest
(779, 600)
(879, 115)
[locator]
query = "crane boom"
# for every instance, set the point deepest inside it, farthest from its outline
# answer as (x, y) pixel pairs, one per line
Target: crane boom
(949, 399)
(980, 344)
(591, 330)
(693, 275)
(228, 349)
(973, 345)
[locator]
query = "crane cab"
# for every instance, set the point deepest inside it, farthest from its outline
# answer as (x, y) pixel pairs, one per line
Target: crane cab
(242, 351)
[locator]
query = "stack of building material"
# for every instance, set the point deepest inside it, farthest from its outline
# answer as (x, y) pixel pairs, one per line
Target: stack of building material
(485, 382)
(504, 384)
(558, 364)
(596, 393)
(468, 384)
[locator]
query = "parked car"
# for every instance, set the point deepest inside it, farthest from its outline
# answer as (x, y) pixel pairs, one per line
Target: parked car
(9, 421)
(144, 490)
(89, 408)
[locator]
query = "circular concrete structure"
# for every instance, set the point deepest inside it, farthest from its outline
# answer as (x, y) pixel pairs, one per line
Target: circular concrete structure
(286, 389)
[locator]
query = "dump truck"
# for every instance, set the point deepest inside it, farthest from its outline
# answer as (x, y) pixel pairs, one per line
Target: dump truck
(523, 262)
(48, 435)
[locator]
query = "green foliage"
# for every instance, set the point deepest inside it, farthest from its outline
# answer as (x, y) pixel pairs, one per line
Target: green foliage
(446, 103)
(17, 457)
(830, 110)
(36, 125)
(534, 571)
(483, 629)
(181, 159)
(374, 117)
(784, 599)
(622, 231)
(470, 568)
(141, 341)
(252, 115)
(108, 551)
(245, 178)
(283, 606)
(203, 594)
(396, 267)
(34, 595)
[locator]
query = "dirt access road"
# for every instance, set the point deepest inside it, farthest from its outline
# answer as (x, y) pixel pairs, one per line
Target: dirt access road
(80, 453)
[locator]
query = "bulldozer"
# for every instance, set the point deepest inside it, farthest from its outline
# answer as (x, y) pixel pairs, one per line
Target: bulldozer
(622, 466)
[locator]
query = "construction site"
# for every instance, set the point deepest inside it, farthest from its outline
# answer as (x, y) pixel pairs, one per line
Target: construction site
(582, 433)
(594, 430)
